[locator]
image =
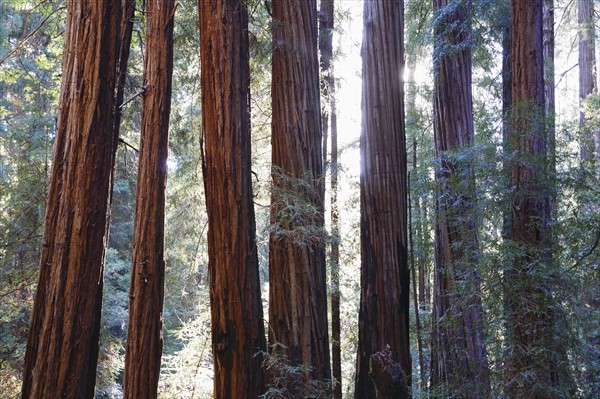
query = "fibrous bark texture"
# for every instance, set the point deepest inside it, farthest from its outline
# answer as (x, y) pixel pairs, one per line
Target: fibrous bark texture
(384, 307)
(387, 376)
(535, 367)
(236, 308)
(62, 349)
(297, 298)
(590, 142)
(459, 360)
(144, 335)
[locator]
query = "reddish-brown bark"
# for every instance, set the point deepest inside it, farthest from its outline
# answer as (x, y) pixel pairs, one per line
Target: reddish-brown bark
(535, 366)
(236, 308)
(297, 298)
(62, 349)
(590, 142)
(384, 303)
(459, 358)
(144, 335)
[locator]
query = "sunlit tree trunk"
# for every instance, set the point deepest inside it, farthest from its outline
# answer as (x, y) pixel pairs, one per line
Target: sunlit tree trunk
(146, 294)
(236, 310)
(458, 359)
(297, 297)
(384, 302)
(590, 142)
(62, 349)
(535, 367)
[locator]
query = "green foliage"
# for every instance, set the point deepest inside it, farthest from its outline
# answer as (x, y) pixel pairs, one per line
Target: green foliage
(298, 215)
(29, 63)
(30, 54)
(291, 381)
(186, 372)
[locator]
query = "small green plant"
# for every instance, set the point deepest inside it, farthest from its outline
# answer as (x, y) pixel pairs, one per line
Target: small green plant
(297, 208)
(291, 381)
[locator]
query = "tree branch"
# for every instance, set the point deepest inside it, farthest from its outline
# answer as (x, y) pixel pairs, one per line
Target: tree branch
(30, 35)
(137, 94)
(589, 252)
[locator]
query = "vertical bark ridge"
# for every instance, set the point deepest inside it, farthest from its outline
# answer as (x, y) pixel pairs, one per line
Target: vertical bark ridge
(146, 294)
(459, 357)
(535, 365)
(297, 297)
(590, 142)
(236, 309)
(62, 349)
(384, 306)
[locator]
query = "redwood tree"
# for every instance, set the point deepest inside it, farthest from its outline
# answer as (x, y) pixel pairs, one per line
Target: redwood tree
(144, 335)
(384, 307)
(534, 365)
(297, 297)
(329, 117)
(458, 359)
(587, 76)
(62, 350)
(236, 308)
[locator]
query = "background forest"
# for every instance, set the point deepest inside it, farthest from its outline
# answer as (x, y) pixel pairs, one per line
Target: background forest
(31, 53)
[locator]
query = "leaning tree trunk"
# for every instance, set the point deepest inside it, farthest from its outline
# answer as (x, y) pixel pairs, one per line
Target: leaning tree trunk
(535, 367)
(62, 349)
(144, 335)
(384, 302)
(236, 308)
(297, 297)
(459, 358)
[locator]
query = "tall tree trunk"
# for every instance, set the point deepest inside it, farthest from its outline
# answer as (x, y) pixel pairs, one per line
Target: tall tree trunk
(549, 81)
(236, 307)
(124, 46)
(534, 366)
(590, 147)
(326, 27)
(459, 358)
(550, 122)
(144, 335)
(62, 349)
(297, 297)
(384, 303)
(422, 217)
(590, 142)
(336, 332)
(412, 117)
(423, 380)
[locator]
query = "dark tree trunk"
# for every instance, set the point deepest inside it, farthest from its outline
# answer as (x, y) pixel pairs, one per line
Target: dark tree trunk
(297, 298)
(144, 335)
(326, 28)
(590, 142)
(550, 119)
(535, 367)
(424, 238)
(459, 358)
(236, 309)
(423, 380)
(384, 303)
(62, 349)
